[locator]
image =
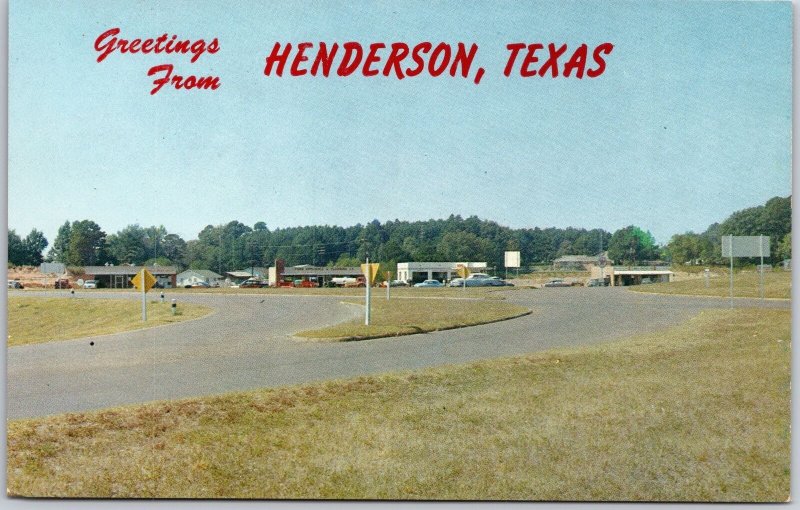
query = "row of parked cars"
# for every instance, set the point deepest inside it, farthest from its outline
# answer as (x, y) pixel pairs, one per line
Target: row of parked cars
(473, 280)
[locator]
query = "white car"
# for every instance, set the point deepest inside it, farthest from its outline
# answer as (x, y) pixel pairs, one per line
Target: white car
(90, 284)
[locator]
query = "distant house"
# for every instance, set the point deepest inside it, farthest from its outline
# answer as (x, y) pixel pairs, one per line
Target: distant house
(193, 276)
(577, 262)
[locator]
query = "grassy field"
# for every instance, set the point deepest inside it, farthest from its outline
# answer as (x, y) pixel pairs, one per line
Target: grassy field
(700, 412)
(777, 284)
(408, 316)
(35, 320)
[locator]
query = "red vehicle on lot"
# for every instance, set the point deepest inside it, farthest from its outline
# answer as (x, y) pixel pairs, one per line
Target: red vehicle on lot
(63, 283)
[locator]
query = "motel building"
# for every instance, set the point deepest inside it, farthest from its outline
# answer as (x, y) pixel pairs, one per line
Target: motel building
(623, 276)
(315, 275)
(119, 277)
(415, 272)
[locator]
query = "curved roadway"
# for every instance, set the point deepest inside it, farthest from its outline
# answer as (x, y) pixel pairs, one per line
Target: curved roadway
(247, 343)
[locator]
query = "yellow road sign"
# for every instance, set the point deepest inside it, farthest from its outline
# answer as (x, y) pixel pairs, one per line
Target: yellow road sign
(462, 270)
(144, 277)
(370, 271)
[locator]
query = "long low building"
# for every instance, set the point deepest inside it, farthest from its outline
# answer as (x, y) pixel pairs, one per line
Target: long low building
(119, 277)
(619, 276)
(319, 274)
(419, 271)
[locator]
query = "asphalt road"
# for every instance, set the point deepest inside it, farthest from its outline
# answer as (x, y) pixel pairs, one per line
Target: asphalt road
(247, 343)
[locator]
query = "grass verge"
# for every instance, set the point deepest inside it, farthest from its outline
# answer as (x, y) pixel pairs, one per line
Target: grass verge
(700, 412)
(777, 284)
(35, 320)
(408, 316)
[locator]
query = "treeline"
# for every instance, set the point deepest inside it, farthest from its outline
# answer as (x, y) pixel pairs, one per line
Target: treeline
(237, 246)
(773, 219)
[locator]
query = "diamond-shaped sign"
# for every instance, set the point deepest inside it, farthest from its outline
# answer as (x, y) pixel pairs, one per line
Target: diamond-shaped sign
(143, 277)
(462, 270)
(370, 271)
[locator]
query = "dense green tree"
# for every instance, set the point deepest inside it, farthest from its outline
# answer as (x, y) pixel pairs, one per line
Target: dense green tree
(60, 249)
(16, 249)
(87, 244)
(632, 245)
(34, 245)
(128, 245)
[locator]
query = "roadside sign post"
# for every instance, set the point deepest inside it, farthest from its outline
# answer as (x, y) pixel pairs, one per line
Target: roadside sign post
(369, 271)
(601, 261)
(366, 318)
(511, 259)
(761, 268)
(746, 246)
(388, 284)
(731, 276)
(706, 272)
(144, 281)
(463, 272)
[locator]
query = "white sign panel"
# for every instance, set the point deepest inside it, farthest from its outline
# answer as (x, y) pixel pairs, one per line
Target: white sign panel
(745, 246)
(512, 259)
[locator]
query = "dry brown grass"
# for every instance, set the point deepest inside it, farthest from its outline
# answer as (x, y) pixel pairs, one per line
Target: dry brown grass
(700, 412)
(36, 320)
(777, 284)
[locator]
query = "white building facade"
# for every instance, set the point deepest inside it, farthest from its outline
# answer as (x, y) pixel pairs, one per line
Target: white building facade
(418, 271)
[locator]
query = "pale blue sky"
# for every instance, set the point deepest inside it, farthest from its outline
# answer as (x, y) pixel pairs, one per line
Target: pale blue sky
(690, 121)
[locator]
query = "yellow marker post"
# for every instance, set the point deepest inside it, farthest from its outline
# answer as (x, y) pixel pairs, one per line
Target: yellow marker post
(463, 272)
(144, 281)
(369, 271)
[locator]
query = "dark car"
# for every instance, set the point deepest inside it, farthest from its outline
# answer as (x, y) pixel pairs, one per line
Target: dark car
(496, 281)
(253, 283)
(557, 282)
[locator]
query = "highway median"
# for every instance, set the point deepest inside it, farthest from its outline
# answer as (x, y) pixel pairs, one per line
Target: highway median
(409, 316)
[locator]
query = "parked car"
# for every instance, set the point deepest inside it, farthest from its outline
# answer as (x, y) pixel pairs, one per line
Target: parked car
(596, 282)
(252, 283)
(90, 284)
(496, 281)
(557, 282)
(62, 283)
(429, 283)
(478, 280)
(197, 285)
(14, 284)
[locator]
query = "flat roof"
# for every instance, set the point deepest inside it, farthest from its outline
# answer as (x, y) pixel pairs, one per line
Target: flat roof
(321, 271)
(439, 265)
(641, 272)
(127, 270)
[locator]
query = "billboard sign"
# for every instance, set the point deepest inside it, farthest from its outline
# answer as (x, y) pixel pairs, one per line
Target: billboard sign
(512, 259)
(745, 246)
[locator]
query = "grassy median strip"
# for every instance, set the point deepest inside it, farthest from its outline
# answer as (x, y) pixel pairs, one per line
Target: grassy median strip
(777, 284)
(700, 412)
(35, 320)
(408, 316)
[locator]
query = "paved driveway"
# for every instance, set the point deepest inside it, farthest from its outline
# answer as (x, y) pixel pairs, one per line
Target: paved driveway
(246, 343)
